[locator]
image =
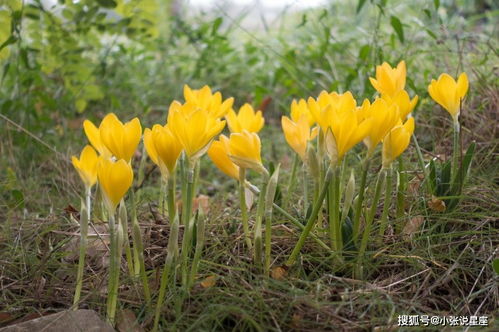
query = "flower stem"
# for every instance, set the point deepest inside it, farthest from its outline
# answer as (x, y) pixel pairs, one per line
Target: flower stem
(244, 208)
(171, 250)
(401, 188)
(455, 150)
(84, 221)
(311, 220)
(422, 165)
(257, 252)
(188, 223)
(200, 226)
(369, 221)
(360, 199)
(114, 269)
(305, 190)
(292, 180)
(386, 205)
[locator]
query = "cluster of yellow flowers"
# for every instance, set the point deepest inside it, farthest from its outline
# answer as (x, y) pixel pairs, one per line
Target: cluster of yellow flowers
(320, 130)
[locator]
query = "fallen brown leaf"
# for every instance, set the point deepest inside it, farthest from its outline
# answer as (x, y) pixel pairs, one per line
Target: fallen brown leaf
(278, 273)
(201, 203)
(209, 281)
(436, 204)
(412, 227)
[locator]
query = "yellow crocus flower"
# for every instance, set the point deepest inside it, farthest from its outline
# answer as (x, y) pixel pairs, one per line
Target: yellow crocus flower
(93, 135)
(333, 101)
(343, 130)
(246, 119)
(298, 133)
(244, 150)
(449, 93)
(397, 141)
(403, 101)
(219, 154)
(194, 131)
(300, 108)
(206, 100)
(383, 118)
(163, 148)
(87, 166)
(389, 81)
(115, 178)
(121, 139)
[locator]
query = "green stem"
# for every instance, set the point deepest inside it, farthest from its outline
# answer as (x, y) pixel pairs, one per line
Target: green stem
(369, 220)
(336, 210)
(111, 296)
(401, 188)
(84, 221)
(305, 190)
(268, 241)
(257, 252)
(200, 226)
(422, 165)
(360, 199)
(171, 251)
(292, 180)
(386, 205)
(293, 220)
(311, 220)
(244, 208)
(188, 223)
(455, 150)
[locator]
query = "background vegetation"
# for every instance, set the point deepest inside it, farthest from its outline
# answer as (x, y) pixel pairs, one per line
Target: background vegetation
(64, 61)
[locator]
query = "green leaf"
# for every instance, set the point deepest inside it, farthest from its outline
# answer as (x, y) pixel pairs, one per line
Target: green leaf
(397, 26)
(80, 105)
(436, 3)
(107, 3)
(495, 265)
(364, 52)
(216, 24)
(360, 4)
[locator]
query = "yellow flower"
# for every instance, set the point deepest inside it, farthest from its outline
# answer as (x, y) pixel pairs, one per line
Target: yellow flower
(208, 102)
(219, 154)
(121, 139)
(244, 150)
(397, 141)
(86, 166)
(343, 130)
(449, 93)
(195, 131)
(115, 178)
(298, 134)
(334, 102)
(93, 136)
(389, 81)
(163, 148)
(383, 118)
(300, 108)
(403, 101)
(246, 119)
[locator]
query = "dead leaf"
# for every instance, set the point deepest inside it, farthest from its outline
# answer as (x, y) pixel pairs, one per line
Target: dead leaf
(209, 281)
(278, 273)
(296, 320)
(5, 317)
(127, 322)
(412, 227)
(436, 204)
(201, 203)
(414, 185)
(250, 198)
